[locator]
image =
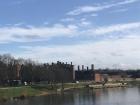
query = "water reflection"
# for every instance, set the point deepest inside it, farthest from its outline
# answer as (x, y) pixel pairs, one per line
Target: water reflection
(112, 96)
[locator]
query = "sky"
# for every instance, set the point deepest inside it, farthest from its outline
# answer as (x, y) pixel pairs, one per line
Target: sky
(105, 33)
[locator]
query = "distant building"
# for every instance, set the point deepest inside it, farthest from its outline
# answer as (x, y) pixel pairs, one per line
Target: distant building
(63, 72)
(98, 77)
(112, 76)
(115, 78)
(85, 73)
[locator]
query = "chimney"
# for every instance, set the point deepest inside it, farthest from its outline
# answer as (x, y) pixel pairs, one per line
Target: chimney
(78, 68)
(82, 67)
(87, 68)
(71, 63)
(92, 67)
(18, 68)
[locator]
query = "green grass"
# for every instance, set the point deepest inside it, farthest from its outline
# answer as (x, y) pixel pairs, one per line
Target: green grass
(57, 86)
(134, 82)
(9, 92)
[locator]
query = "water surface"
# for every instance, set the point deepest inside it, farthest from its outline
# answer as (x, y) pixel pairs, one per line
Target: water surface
(112, 96)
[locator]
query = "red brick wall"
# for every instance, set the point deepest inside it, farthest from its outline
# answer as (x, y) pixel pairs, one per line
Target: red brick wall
(98, 77)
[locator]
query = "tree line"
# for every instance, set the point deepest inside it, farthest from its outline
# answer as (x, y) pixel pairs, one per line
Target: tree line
(26, 70)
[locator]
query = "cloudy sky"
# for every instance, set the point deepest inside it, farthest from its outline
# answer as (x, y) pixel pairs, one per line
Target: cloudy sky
(103, 32)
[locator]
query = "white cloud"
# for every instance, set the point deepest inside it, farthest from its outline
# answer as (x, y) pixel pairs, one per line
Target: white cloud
(124, 28)
(18, 2)
(25, 34)
(46, 23)
(89, 9)
(67, 19)
(83, 22)
(83, 28)
(94, 15)
(106, 53)
(19, 24)
(119, 10)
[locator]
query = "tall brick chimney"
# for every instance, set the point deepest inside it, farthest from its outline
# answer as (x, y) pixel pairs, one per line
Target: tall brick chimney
(87, 68)
(92, 67)
(78, 68)
(18, 68)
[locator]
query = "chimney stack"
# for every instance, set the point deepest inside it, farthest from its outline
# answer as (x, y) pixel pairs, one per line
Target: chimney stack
(92, 67)
(87, 68)
(78, 68)
(82, 67)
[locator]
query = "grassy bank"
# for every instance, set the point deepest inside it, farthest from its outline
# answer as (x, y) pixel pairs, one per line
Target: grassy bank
(21, 92)
(134, 82)
(7, 93)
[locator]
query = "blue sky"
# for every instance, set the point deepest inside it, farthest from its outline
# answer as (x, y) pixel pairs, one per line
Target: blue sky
(103, 32)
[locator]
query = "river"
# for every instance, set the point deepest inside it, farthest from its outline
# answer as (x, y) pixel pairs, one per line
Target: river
(111, 96)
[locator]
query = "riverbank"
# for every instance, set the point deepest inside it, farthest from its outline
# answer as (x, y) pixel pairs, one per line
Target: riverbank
(10, 93)
(21, 92)
(108, 85)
